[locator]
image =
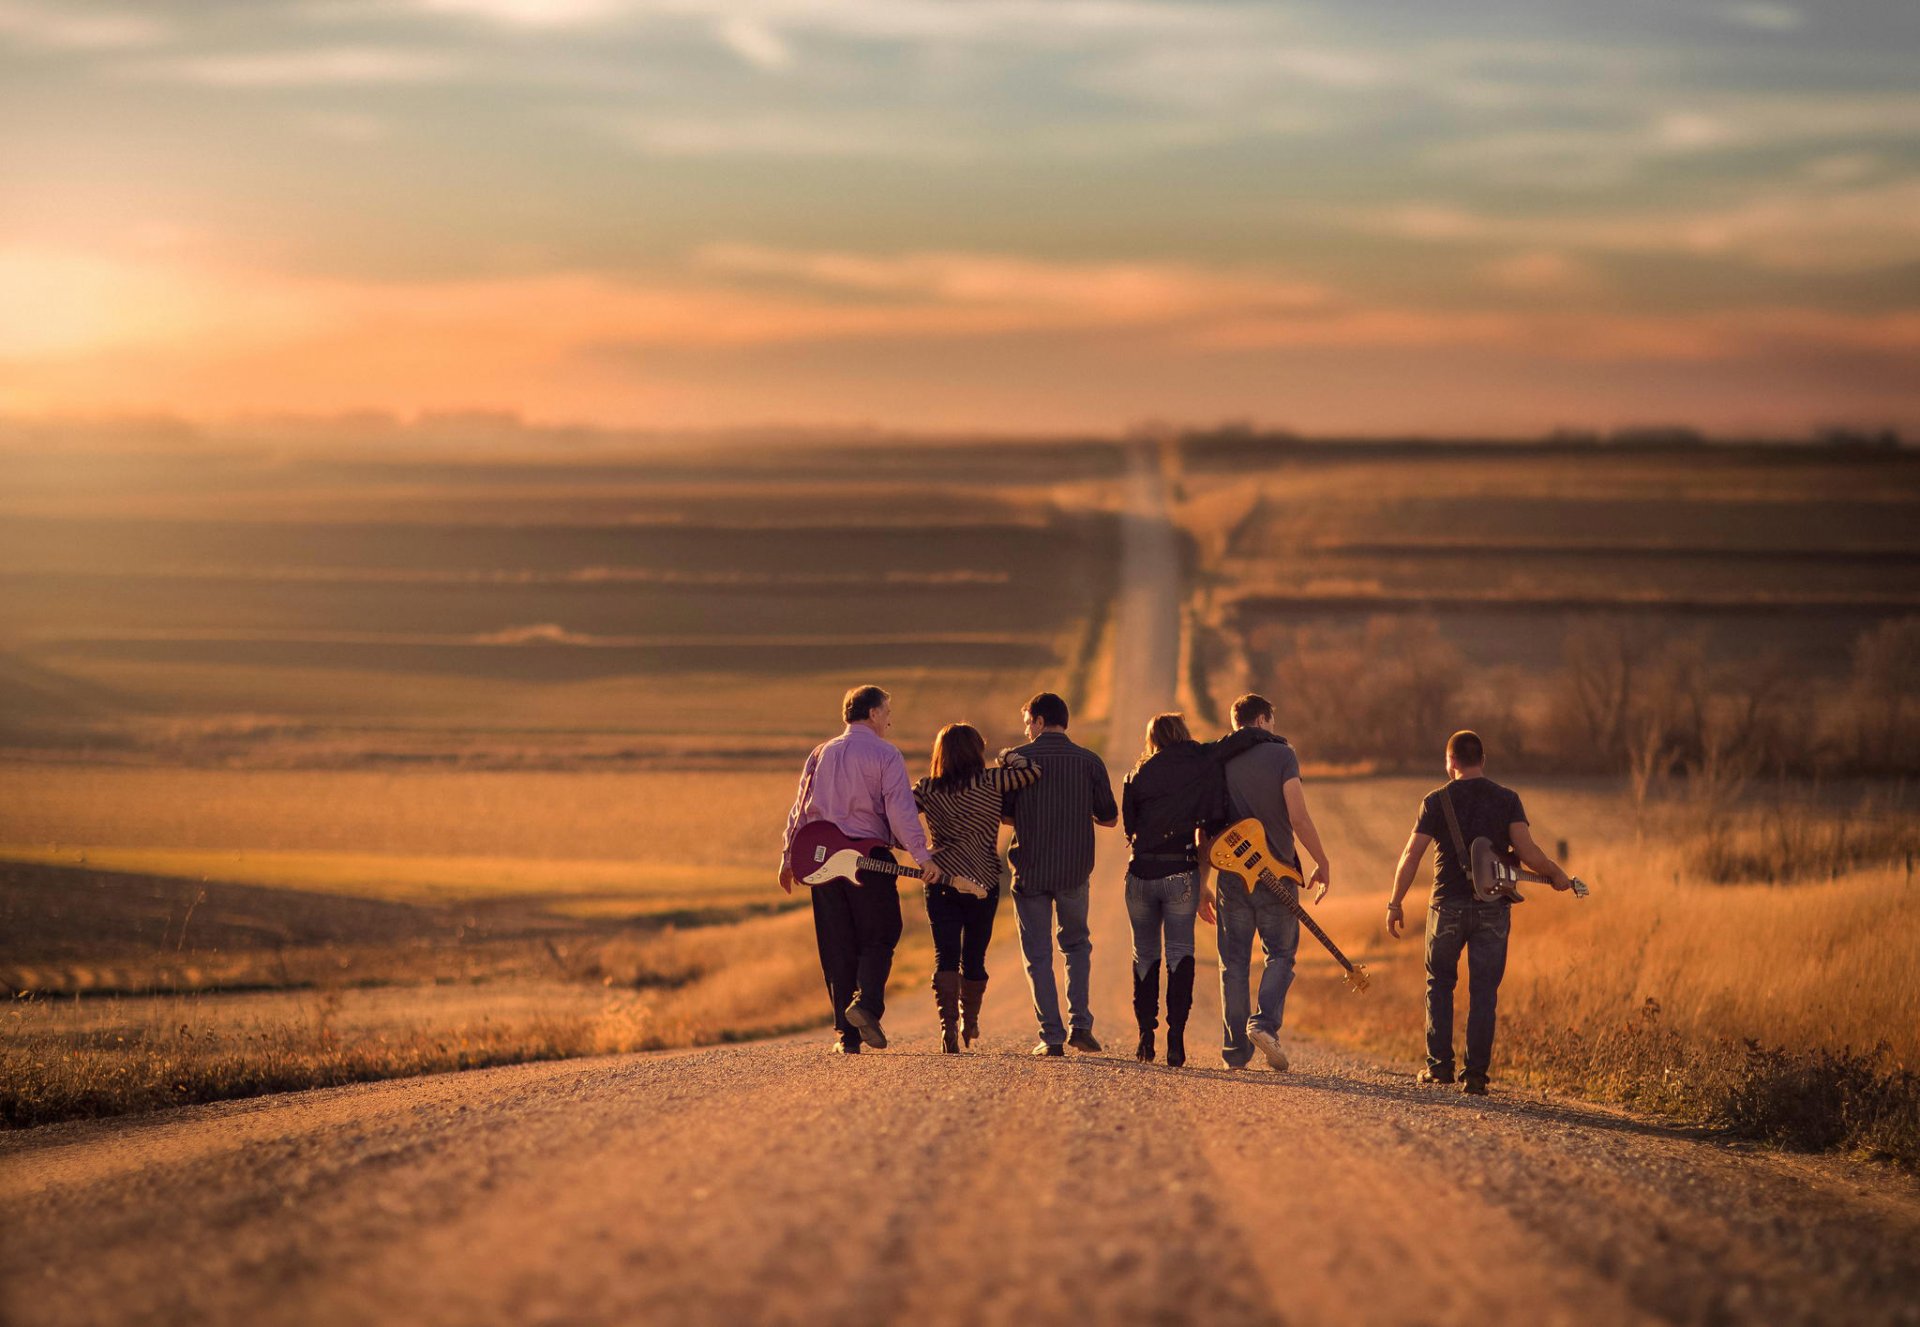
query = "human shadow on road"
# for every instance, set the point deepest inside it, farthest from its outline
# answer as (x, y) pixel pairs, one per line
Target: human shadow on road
(1398, 1089)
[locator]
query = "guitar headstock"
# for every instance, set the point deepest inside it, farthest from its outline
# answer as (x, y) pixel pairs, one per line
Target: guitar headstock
(1357, 978)
(1579, 887)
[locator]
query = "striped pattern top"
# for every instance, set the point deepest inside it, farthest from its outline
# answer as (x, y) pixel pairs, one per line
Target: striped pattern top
(963, 824)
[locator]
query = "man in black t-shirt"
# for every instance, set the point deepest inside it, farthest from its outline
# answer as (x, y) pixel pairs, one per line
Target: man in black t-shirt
(1456, 920)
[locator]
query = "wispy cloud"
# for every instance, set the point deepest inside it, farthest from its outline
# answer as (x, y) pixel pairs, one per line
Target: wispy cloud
(1766, 17)
(334, 66)
(1791, 229)
(673, 135)
(755, 42)
(75, 28)
(1045, 293)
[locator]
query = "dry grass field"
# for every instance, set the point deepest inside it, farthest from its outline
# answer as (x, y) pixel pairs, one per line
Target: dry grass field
(318, 767)
(1736, 619)
(1781, 556)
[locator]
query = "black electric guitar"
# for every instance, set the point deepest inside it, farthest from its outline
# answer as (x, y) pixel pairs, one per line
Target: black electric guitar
(821, 853)
(1241, 850)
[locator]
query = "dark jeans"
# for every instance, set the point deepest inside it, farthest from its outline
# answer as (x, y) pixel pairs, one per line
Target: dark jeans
(962, 930)
(1481, 929)
(856, 927)
(1036, 913)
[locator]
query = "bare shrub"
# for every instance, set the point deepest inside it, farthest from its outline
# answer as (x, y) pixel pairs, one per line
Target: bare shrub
(1884, 697)
(1384, 693)
(1791, 839)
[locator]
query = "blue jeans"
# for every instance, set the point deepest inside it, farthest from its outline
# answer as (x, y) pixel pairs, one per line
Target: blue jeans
(1035, 913)
(1482, 930)
(1241, 916)
(1157, 905)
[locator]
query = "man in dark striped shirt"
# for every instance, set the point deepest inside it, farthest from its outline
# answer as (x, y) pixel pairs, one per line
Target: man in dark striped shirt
(1052, 856)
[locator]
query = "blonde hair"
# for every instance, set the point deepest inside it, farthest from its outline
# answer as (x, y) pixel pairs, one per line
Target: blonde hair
(1162, 732)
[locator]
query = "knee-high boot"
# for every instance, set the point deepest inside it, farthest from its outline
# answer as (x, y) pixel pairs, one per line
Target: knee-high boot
(946, 998)
(972, 995)
(1146, 1009)
(1179, 1005)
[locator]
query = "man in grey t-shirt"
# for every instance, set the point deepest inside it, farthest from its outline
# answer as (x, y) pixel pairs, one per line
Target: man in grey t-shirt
(1264, 782)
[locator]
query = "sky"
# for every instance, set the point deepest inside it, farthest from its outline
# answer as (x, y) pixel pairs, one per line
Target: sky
(1013, 215)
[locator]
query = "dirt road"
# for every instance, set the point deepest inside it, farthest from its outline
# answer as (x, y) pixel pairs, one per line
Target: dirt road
(775, 1183)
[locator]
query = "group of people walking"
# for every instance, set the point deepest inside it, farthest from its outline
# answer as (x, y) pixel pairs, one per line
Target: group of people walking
(1055, 794)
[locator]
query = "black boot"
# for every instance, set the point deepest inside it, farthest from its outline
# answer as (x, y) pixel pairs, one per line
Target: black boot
(1146, 1009)
(946, 998)
(972, 995)
(1179, 1005)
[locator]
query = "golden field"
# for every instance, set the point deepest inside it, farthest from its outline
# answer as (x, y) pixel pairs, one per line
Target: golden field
(314, 770)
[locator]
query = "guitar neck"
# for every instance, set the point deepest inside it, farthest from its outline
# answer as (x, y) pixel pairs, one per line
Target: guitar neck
(1286, 894)
(888, 868)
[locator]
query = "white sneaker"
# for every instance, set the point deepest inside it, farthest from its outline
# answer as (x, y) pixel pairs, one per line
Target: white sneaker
(1269, 1047)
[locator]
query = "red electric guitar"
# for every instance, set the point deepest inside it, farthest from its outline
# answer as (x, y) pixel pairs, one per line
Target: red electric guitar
(821, 854)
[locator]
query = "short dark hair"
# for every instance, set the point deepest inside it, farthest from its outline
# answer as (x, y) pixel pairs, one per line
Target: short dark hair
(1251, 707)
(1466, 750)
(1049, 709)
(861, 702)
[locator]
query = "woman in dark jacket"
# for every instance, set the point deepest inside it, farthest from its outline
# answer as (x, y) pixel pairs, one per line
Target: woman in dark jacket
(1175, 796)
(960, 797)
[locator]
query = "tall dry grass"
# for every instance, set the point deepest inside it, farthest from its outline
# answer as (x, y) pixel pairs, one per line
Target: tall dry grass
(1783, 1012)
(67, 1059)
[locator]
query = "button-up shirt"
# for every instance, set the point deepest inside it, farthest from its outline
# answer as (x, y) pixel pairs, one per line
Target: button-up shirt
(858, 781)
(1052, 851)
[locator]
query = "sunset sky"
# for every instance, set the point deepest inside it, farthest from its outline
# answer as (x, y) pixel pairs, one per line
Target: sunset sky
(1007, 214)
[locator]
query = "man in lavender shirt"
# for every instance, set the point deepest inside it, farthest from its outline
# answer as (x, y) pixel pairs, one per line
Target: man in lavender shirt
(858, 781)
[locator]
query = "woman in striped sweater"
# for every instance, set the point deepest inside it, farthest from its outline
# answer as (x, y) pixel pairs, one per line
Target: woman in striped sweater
(960, 798)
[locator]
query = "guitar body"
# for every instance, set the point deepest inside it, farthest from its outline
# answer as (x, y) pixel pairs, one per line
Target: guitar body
(1242, 850)
(1495, 878)
(822, 853)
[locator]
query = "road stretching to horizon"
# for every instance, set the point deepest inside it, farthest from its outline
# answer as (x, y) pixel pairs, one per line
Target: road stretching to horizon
(774, 1183)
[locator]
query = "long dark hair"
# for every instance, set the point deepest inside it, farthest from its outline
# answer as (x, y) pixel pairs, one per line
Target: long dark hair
(1162, 732)
(959, 757)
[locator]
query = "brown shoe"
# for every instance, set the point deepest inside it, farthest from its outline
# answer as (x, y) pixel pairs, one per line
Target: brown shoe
(1270, 1047)
(867, 1026)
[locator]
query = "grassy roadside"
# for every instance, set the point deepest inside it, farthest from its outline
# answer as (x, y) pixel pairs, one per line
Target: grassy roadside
(67, 1059)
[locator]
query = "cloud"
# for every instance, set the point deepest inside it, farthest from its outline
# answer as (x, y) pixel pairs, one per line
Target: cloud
(1766, 17)
(1223, 73)
(346, 126)
(1786, 228)
(61, 28)
(334, 66)
(677, 135)
(1043, 293)
(1609, 154)
(973, 22)
(529, 13)
(755, 42)
(1541, 272)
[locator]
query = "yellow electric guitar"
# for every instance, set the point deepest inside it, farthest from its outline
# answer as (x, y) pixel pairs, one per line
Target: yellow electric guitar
(1241, 850)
